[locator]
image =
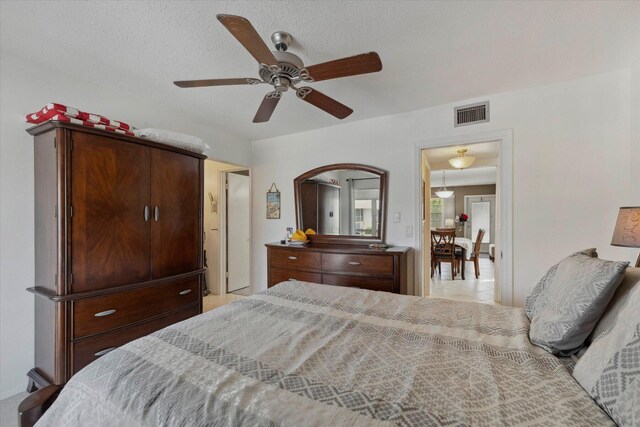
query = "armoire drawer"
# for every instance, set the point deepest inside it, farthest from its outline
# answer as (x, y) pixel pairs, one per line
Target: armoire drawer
(295, 259)
(371, 283)
(278, 275)
(373, 265)
(88, 350)
(100, 314)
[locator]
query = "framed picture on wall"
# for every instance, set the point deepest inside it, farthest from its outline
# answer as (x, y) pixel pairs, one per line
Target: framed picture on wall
(273, 202)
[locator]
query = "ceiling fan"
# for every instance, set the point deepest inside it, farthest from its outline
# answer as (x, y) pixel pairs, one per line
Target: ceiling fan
(284, 70)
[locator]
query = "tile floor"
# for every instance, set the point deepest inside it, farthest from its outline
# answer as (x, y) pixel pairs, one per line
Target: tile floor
(470, 289)
(214, 301)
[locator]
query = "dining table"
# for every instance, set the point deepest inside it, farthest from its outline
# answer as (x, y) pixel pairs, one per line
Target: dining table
(466, 245)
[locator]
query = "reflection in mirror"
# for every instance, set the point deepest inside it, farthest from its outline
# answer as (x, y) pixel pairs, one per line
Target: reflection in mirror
(341, 202)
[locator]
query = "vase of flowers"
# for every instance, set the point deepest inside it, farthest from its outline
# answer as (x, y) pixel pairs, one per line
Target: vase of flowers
(462, 219)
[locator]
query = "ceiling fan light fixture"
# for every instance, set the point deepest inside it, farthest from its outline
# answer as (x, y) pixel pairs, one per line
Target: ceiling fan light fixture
(462, 161)
(443, 193)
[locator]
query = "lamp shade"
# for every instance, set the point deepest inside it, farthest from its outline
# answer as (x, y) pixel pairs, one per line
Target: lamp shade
(462, 161)
(627, 231)
(444, 194)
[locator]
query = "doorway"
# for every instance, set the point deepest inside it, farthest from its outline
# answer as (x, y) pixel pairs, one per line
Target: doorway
(219, 241)
(238, 226)
(493, 151)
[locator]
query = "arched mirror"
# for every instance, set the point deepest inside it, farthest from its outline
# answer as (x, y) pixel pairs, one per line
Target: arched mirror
(343, 203)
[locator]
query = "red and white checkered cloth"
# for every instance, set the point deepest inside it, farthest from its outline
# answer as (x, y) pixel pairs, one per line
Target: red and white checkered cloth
(58, 110)
(67, 119)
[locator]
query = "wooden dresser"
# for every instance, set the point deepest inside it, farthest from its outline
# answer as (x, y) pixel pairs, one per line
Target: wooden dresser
(118, 234)
(340, 265)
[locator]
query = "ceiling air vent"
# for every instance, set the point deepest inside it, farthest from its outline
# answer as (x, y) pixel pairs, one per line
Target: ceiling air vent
(471, 114)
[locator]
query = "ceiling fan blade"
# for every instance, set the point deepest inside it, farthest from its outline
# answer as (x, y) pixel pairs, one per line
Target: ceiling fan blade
(216, 82)
(267, 106)
(324, 102)
(248, 37)
(351, 66)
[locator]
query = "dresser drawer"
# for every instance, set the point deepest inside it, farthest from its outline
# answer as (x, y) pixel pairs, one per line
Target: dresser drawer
(371, 283)
(294, 259)
(88, 350)
(278, 275)
(373, 265)
(101, 314)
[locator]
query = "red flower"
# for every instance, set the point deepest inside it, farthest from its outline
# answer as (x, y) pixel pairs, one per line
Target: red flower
(463, 217)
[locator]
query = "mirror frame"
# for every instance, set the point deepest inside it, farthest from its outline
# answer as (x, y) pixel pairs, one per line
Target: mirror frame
(341, 238)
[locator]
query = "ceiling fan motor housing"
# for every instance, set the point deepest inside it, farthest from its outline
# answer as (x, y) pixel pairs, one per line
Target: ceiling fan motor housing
(289, 69)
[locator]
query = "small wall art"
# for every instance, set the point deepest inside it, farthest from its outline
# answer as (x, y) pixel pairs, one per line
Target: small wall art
(273, 202)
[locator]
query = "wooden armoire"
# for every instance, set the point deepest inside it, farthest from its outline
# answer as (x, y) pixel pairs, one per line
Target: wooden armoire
(321, 206)
(118, 243)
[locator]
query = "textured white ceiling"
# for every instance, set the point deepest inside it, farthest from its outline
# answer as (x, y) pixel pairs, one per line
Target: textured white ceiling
(432, 52)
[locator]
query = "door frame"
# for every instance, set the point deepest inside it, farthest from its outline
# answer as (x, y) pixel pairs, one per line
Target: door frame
(223, 227)
(504, 201)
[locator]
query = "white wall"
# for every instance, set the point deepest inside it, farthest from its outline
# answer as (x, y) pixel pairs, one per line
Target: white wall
(571, 168)
(634, 131)
(25, 87)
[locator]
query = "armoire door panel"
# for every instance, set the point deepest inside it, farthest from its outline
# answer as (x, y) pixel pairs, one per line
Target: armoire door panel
(109, 191)
(175, 219)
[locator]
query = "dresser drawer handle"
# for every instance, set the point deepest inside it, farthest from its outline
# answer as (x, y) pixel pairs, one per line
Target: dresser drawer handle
(186, 291)
(105, 313)
(105, 351)
(293, 257)
(354, 263)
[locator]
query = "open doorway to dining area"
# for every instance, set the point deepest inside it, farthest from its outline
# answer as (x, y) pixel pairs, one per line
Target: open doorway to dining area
(461, 221)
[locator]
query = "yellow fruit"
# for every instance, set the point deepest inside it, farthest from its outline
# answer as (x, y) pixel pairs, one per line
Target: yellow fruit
(299, 236)
(309, 231)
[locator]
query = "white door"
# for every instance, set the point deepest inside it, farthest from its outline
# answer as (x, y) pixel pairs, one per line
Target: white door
(481, 211)
(238, 229)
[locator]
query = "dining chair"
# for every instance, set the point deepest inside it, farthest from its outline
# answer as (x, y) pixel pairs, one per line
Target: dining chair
(475, 255)
(443, 249)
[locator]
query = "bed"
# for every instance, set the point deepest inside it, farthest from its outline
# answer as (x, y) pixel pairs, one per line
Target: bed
(303, 354)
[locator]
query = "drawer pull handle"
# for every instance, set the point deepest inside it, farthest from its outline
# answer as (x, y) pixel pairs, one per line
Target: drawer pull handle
(105, 351)
(186, 291)
(354, 263)
(105, 313)
(293, 257)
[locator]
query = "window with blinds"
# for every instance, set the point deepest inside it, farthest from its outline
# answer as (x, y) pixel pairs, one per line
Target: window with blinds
(437, 213)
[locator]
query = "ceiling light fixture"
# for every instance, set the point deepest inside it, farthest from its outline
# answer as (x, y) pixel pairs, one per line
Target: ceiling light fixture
(443, 193)
(462, 161)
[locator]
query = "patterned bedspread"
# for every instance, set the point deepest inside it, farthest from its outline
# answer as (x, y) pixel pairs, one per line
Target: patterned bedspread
(302, 354)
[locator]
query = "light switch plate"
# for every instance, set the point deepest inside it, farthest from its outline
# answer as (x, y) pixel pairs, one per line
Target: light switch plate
(409, 231)
(396, 217)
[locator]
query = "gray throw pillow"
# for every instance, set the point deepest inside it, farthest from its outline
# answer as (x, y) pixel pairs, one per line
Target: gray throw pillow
(572, 301)
(530, 306)
(610, 369)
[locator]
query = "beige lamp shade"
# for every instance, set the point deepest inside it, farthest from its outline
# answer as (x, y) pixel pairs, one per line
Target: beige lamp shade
(627, 231)
(462, 161)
